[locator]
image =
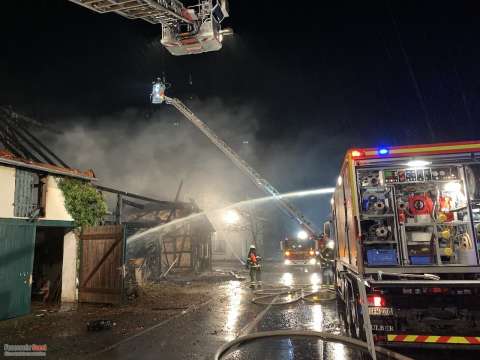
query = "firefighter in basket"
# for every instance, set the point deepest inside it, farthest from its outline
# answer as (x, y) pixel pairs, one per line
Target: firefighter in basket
(253, 264)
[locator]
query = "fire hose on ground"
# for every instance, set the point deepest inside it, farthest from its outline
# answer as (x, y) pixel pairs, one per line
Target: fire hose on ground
(360, 345)
(283, 295)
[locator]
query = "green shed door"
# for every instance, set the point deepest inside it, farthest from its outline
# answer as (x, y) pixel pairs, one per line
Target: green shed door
(17, 244)
(24, 184)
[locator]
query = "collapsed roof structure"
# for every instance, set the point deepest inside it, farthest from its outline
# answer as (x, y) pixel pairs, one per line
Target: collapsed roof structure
(187, 244)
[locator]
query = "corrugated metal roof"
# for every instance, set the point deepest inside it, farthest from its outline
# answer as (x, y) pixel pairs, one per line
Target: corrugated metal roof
(8, 158)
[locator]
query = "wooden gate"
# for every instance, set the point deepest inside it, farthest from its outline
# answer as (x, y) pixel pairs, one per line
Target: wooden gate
(102, 264)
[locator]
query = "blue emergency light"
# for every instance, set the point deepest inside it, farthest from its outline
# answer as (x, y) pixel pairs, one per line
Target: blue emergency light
(383, 151)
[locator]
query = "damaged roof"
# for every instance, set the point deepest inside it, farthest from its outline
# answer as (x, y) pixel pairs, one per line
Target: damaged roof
(7, 158)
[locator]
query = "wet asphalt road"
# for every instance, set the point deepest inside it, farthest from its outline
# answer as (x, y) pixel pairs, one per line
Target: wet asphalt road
(198, 334)
(298, 316)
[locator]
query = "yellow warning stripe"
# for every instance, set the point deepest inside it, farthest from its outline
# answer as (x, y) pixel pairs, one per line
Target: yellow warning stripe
(468, 340)
(410, 338)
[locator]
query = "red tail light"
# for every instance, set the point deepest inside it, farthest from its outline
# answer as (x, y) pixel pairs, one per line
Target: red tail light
(376, 300)
(357, 153)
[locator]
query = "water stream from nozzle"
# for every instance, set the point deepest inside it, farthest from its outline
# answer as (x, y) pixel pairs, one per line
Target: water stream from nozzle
(294, 194)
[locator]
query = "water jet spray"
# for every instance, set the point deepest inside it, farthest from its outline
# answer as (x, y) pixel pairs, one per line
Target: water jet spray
(257, 201)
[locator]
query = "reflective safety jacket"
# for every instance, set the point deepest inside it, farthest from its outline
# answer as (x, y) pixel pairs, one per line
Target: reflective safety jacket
(253, 261)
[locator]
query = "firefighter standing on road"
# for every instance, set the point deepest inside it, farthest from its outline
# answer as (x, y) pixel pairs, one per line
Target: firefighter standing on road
(253, 263)
(326, 256)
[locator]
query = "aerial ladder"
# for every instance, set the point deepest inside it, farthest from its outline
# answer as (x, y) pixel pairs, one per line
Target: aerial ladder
(158, 97)
(185, 30)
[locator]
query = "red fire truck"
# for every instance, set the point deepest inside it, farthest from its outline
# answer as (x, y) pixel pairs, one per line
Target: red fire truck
(300, 250)
(406, 224)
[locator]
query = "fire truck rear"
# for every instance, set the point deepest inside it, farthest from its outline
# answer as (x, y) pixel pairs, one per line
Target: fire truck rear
(406, 223)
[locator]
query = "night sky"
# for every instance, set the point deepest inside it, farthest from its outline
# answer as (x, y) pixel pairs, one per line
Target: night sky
(327, 74)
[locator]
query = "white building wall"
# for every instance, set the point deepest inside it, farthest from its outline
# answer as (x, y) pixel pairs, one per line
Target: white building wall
(69, 268)
(7, 191)
(54, 210)
(55, 204)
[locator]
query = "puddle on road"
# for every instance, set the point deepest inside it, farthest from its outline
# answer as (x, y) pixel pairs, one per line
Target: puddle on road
(317, 318)
(234, 301)
(287, 279)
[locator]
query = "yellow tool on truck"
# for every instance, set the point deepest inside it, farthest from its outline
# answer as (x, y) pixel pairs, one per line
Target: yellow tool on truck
(404, 221)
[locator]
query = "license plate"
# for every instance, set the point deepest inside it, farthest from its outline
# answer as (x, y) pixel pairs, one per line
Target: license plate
(380, 311)
(376, 327)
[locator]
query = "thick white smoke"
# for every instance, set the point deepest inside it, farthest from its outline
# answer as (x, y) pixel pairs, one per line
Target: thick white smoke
(151, 155)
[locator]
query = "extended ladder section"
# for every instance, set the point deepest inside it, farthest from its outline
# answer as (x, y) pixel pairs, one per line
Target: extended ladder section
(185, 30)
(165, 12)
(257, 179)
